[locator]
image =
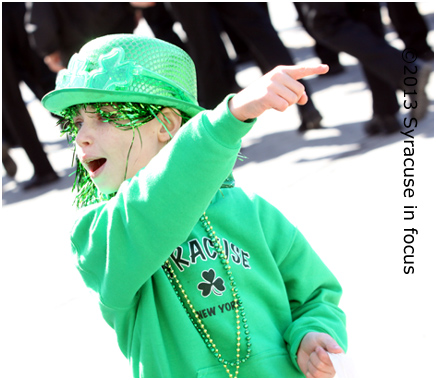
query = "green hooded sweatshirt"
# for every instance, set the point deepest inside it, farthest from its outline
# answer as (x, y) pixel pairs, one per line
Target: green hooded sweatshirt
(121, 246)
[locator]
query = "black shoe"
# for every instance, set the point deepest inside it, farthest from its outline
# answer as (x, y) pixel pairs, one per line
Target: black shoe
(40, 180)
(421, 99)
(385, 124)
(8, 163)
(310, 120)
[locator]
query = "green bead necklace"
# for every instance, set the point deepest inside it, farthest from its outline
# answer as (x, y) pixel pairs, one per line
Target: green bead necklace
(194, 316)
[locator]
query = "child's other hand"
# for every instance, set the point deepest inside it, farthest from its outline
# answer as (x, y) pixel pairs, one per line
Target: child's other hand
(312, 355)
(277, 89)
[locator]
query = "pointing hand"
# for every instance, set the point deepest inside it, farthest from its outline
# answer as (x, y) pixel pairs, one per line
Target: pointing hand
(277, 90)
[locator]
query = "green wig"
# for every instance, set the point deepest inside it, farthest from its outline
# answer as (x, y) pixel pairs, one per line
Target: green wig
(136, 114)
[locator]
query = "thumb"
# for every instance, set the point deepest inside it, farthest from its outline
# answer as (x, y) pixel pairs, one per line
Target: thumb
(330, 345)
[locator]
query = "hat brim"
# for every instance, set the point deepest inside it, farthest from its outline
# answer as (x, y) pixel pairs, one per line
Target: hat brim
(58, 100)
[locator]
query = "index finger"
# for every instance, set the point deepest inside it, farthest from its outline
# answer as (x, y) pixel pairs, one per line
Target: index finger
(299, 72)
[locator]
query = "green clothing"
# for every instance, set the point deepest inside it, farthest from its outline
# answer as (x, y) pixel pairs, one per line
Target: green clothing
(121, 245)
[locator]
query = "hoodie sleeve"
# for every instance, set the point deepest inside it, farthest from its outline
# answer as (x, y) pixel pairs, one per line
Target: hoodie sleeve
(313, 291)
(121, 243)
(314, 295)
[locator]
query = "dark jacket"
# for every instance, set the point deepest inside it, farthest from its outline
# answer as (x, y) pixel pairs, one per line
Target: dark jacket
(68, 26)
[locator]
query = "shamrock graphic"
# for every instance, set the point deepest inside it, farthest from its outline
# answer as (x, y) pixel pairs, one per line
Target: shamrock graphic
(75, 75)
(113, 71)
(212, 284)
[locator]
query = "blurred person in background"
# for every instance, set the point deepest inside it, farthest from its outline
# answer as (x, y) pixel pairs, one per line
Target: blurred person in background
(160, 21)
(251, 22)
(357, 29)
(21, 63)
(411, 28)
(325, 54)
(57, 30)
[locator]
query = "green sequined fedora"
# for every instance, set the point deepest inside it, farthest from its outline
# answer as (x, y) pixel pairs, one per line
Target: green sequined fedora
(127, 68)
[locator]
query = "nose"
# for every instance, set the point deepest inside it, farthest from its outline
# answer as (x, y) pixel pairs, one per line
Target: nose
(84, 136)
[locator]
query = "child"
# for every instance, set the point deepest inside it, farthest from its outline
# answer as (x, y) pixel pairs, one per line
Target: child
(196, 277)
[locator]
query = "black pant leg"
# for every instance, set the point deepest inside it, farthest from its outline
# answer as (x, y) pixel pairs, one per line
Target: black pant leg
(325, 54)
(215, 71)
(332, 24)
(384, 97)
(410, 26)
(17, 118)
(253, 24)
(161, 23)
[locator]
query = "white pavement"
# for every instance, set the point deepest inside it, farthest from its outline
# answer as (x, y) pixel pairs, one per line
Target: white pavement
(342, 189)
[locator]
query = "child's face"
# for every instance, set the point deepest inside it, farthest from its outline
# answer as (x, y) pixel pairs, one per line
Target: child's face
(102, 148)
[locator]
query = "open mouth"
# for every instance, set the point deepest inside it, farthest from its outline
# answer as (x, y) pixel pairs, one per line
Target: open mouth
(94, 165)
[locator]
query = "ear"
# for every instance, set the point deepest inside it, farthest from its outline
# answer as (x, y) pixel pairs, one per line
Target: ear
(172, 121)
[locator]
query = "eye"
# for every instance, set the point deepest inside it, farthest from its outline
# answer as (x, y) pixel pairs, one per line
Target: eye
(78, 123)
